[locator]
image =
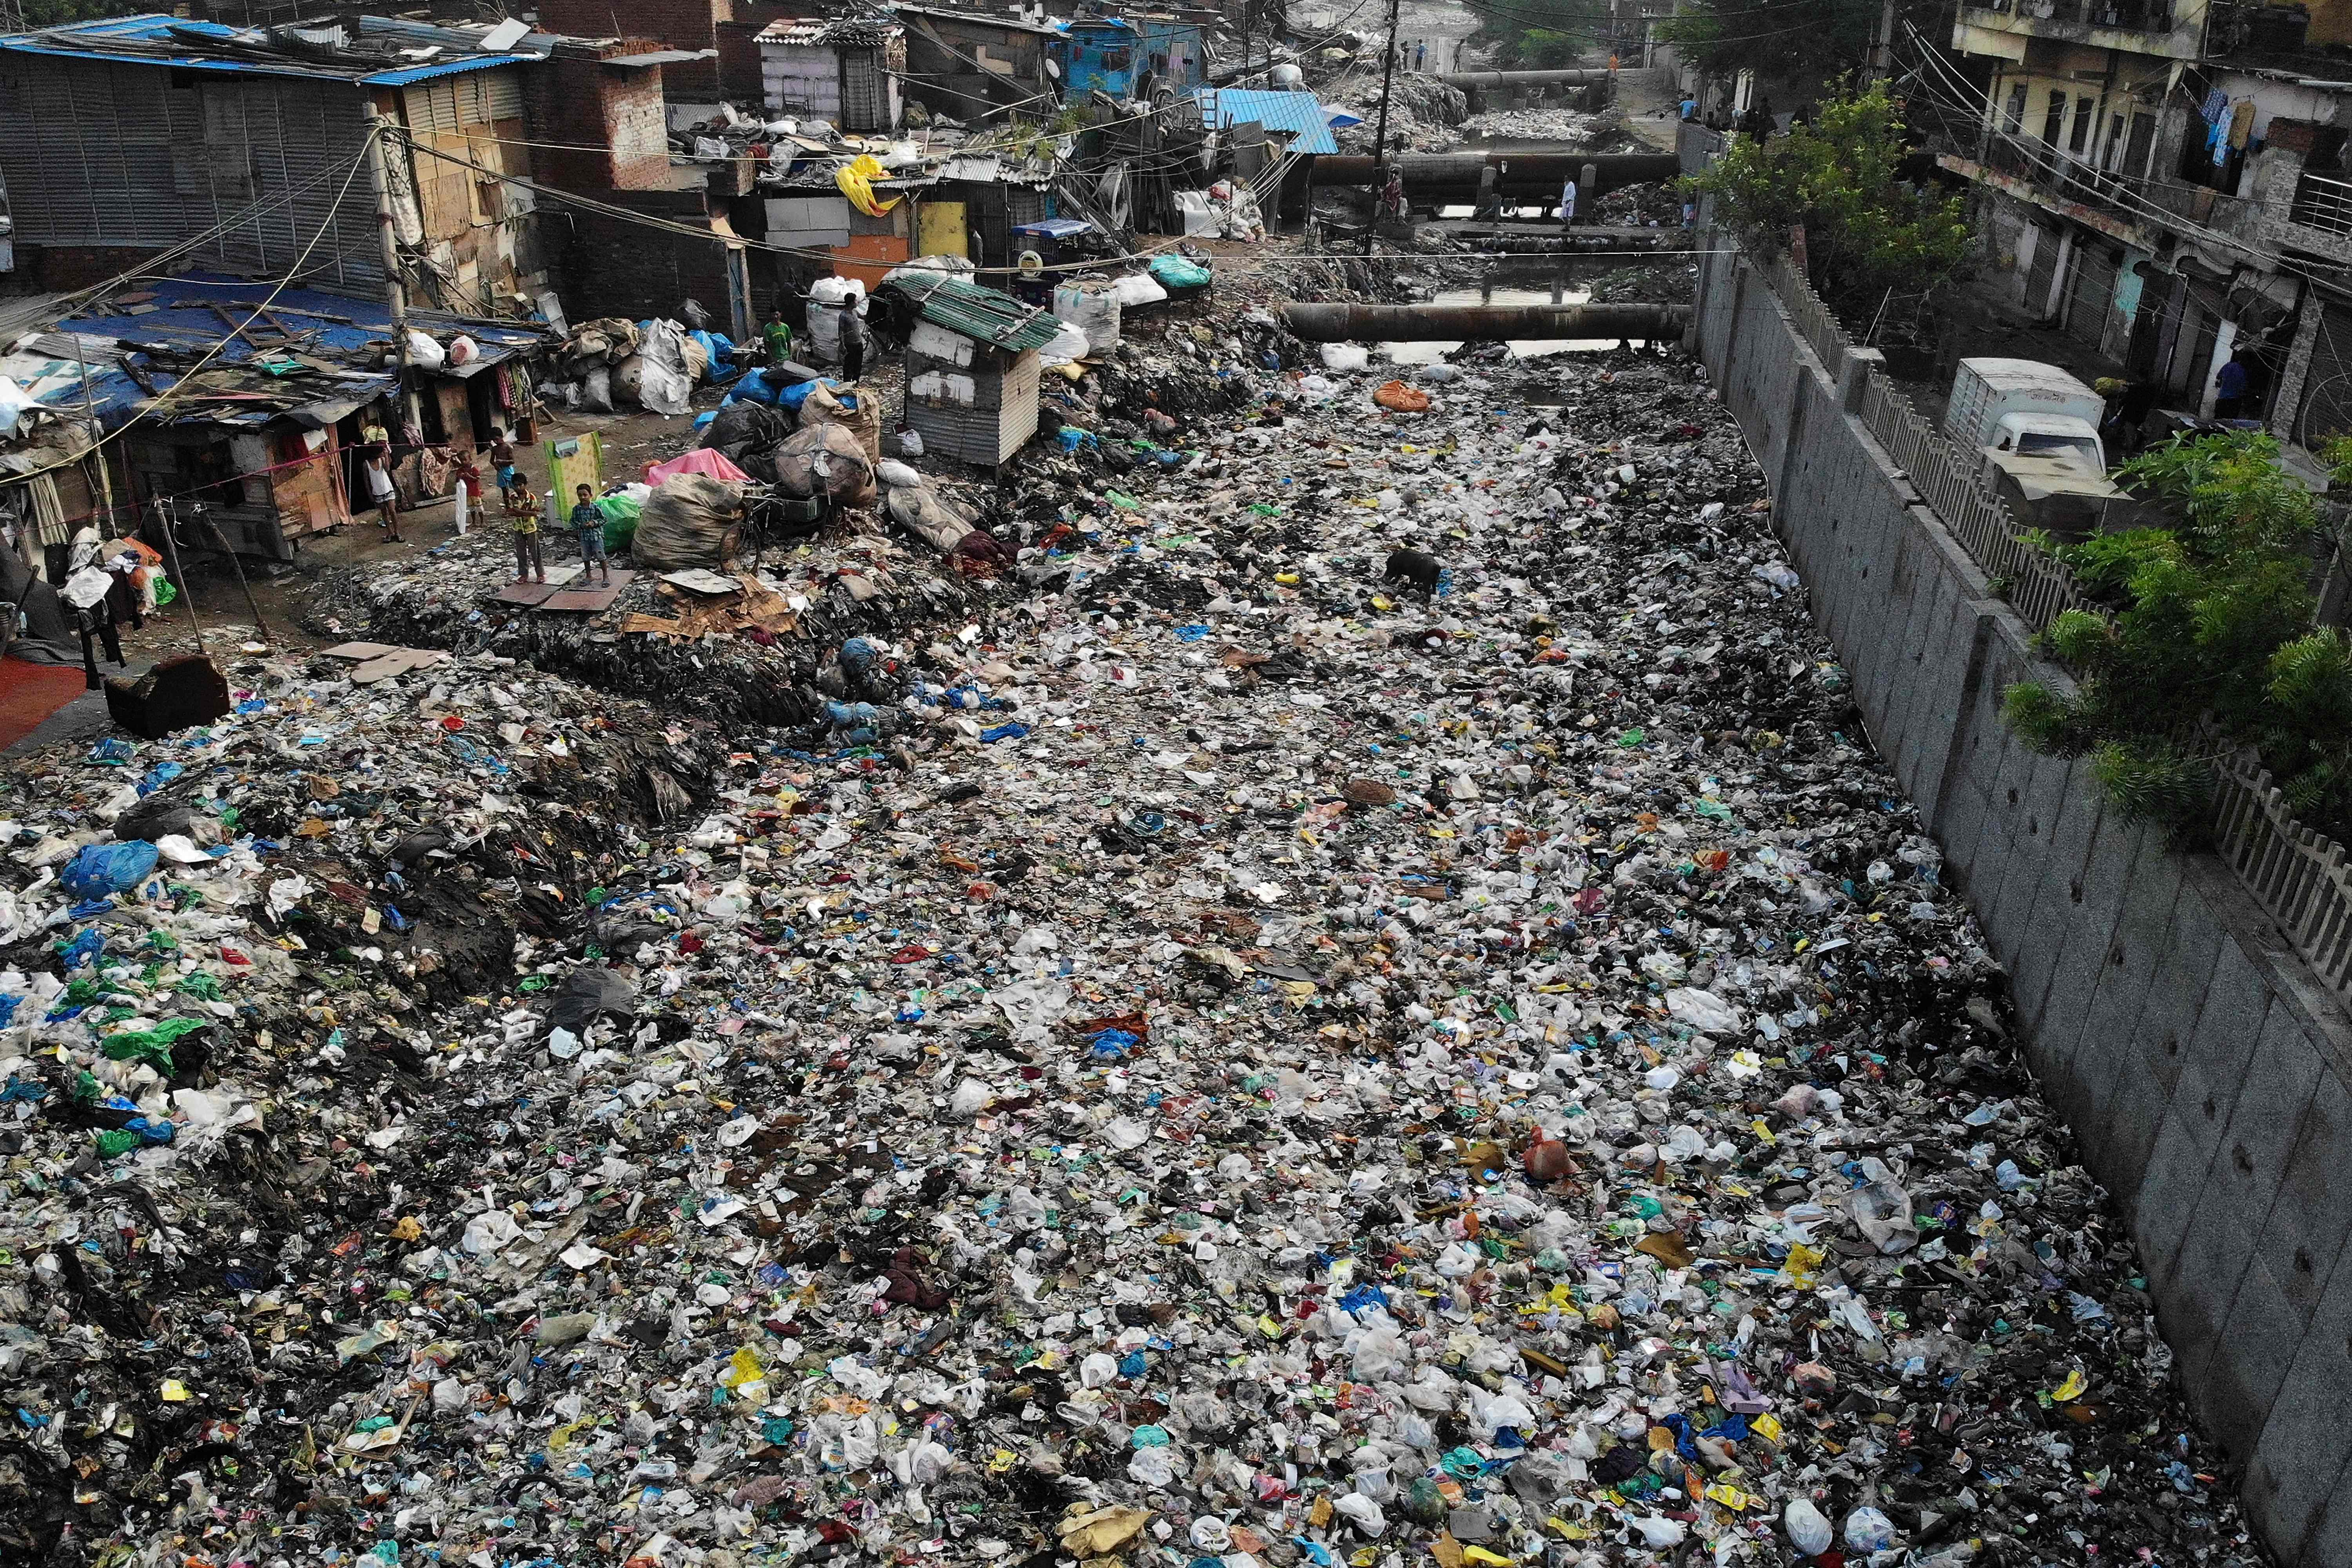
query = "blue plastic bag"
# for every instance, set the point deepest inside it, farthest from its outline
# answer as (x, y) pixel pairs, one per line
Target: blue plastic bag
(103, 869)
(793, 396)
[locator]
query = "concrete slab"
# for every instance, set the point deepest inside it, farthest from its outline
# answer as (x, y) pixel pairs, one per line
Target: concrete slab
(2236, 1391)
(2299, 1462)
(2161, 1210)
(2309, 1222)
(2175, 993)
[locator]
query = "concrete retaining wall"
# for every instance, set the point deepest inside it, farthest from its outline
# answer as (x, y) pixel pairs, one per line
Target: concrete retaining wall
(2205, 1072)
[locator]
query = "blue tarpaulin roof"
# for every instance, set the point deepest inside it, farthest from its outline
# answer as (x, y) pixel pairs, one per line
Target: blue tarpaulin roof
(375, 51)
(1296, 114)
(329, 362)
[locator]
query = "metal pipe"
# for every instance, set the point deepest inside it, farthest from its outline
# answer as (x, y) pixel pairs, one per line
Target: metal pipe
(1471, 81)
(1517, 174)
(1465, 323)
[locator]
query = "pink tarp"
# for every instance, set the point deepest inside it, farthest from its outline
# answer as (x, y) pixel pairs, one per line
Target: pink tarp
(702, 460)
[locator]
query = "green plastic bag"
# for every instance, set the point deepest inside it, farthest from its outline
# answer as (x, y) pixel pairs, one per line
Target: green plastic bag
(1179, 272)
(165, 593)
(620, 516)
(152, 1046)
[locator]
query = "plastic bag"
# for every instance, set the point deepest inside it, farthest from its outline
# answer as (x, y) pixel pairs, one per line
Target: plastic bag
(1868, 1531)
(13, 404)
(423, 353)
(1069, 345)
(463, 350)
(1346, 357)
(1405, 399)
(103, 869)
(691, 521)
(1180, 272)
(666, 381)
(825, 458)
(1133, 288)
(1809, 1530)
(621, 514)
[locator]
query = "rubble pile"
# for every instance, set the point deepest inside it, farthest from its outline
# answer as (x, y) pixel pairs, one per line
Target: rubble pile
(849, 582)
(1423, 112)
(1289, 1068)
(1575, 130)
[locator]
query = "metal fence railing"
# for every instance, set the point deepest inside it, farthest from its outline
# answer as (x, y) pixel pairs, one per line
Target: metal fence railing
(1813, 319)
(2323, 203)
(2036, 586)
(2301, 877)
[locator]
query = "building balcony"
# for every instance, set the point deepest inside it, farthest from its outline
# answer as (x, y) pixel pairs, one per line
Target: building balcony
(2323, 203)
(2133, 210)
(2172, 28)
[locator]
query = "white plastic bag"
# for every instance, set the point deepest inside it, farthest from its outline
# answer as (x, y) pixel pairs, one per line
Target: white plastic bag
(1347, 357)
(424, 352)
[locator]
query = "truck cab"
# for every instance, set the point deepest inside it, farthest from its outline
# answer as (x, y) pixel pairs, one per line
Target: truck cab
(2062, 438)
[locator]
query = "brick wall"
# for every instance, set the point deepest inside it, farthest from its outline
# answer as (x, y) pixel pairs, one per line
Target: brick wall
(2287, 401)
(43, 268)
(739, 61)
(608, 117)
(616, 268)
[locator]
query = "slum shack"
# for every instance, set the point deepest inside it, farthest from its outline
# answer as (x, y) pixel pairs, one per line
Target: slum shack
(1095, 54)
(250, 400)
(971, 363)
(961, 65)
(845, 70)
(979, 199)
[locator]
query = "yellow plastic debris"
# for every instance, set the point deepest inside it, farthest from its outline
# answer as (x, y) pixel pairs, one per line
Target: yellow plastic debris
(856, 180)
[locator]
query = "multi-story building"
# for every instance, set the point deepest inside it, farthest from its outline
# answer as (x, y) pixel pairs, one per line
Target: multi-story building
(2164, 180)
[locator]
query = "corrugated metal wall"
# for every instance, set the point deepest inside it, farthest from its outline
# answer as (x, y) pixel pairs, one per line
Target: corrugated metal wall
(97, 153)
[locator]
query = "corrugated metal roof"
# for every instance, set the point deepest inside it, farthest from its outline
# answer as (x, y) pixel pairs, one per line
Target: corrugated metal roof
(365, 49)
(658, 57)
(984, 315)
(1296, 114)
(447, 67)
(28, 313)
(341, 337)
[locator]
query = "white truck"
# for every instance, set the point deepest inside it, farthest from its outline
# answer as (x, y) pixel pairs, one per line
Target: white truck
(2037, 428)
(2025, 407)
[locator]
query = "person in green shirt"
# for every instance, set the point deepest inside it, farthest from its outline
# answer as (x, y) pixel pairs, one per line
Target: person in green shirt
(779, 337)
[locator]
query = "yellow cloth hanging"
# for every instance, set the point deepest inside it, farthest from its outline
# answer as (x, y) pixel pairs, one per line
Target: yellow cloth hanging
(857, 179)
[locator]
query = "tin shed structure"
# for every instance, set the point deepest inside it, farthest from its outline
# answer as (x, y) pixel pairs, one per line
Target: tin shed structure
(845, 70)
(1095, 54)
(971, 364)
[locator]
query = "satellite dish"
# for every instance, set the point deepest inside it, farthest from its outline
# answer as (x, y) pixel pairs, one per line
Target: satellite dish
(1032, 265)
(1054, 69)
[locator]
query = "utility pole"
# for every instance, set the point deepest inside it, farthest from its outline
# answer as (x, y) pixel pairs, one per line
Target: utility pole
(394, 292)
(1381, 133)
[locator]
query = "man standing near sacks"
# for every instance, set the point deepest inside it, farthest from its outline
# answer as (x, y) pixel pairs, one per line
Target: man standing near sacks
(854, 339)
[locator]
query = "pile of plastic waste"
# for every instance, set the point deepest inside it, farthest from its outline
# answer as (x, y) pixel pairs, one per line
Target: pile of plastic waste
(1205, 1054)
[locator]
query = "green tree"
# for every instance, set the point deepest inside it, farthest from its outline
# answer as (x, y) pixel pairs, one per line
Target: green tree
(2211, 616)
(1803, 43)
(56, 13)
(1542, 35)
(1867, 230)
